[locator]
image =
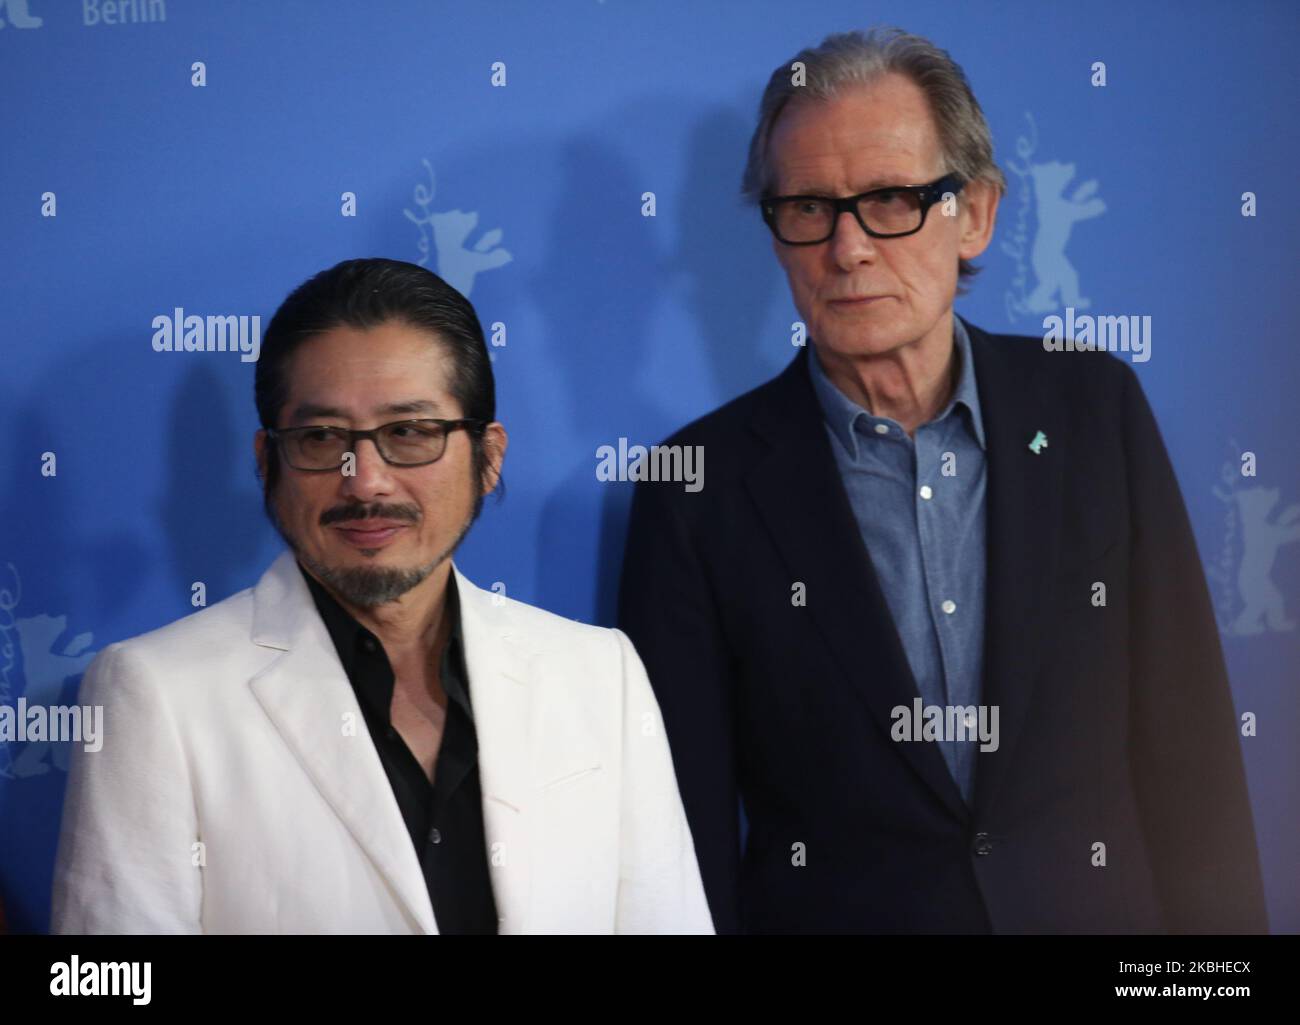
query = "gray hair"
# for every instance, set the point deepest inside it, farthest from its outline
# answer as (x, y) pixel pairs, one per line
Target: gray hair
(853, 59)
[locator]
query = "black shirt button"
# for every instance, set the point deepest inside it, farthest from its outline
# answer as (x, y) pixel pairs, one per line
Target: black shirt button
(435, 837)
(390, 733)
(368, 643)
(983, 844)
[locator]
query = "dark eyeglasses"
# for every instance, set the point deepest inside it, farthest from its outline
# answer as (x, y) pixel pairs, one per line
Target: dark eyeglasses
(883, 213)
(401, 443)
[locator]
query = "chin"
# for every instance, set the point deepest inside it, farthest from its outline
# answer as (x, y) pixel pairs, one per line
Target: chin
(348, 555)
(865, 342)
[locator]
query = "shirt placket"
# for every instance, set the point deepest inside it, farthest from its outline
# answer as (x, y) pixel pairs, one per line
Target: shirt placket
(941, 606)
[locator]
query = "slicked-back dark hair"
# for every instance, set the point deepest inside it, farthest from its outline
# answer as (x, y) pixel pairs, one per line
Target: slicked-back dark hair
(364, 294)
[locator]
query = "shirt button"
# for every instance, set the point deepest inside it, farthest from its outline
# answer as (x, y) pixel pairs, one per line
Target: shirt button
(926, 492)
(435, 837)
(882, 428)
(368, 643)
(949, 606)
(390, 733)
(983, 845)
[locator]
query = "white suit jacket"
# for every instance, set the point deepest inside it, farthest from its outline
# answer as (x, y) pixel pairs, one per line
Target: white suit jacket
(238, 789)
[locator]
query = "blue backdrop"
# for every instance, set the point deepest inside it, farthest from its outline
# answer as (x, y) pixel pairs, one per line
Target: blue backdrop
(200, 155)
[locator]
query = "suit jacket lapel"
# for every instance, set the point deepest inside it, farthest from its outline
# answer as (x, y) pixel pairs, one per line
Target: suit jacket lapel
(797, 489)
(308, 697)
(496, 659)
(306, 694)
(1024, 504)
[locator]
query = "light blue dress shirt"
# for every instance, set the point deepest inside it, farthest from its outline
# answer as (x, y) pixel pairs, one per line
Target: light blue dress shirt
(920, 507)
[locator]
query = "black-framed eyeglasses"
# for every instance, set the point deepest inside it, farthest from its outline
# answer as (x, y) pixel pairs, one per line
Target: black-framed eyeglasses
(890, 212)
(400, 443)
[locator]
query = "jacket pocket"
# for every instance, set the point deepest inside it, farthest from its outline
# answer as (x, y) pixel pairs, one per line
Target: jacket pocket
(569, 776)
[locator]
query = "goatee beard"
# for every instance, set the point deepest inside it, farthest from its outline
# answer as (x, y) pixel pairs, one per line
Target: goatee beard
(368, 586)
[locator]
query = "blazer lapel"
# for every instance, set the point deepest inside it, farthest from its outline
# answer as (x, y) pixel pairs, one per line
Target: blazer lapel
(796, 475)
(496, 659)
(307, 695)
(1024, 496)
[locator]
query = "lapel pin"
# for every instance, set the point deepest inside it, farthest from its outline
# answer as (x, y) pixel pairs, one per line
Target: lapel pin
(1038, 444)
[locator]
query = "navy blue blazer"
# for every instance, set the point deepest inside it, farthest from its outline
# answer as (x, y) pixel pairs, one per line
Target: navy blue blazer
(1116, 722)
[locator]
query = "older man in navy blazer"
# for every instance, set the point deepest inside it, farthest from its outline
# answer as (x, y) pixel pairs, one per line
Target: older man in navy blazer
(937, 619)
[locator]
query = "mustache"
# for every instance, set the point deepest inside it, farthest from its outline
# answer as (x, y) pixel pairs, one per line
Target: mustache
(348, 513)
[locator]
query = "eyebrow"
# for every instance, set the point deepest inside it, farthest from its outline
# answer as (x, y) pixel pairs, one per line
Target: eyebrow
(805, 189)
(314, 410)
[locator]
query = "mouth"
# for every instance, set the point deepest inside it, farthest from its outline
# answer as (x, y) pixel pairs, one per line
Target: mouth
(373, 535)
(865, 300)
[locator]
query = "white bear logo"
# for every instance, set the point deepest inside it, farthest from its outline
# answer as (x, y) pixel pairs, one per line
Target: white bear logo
(19, 17)
(1057, 216)
(448, 231)
(1044, 220)
(1261, 539)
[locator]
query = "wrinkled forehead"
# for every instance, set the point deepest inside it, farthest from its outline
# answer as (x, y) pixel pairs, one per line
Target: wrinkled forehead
(861, 138)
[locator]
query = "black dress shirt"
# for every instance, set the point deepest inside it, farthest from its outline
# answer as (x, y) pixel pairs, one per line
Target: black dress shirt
(444, 818)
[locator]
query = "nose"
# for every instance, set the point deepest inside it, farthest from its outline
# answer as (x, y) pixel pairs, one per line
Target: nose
(372, 476)
(850, 245)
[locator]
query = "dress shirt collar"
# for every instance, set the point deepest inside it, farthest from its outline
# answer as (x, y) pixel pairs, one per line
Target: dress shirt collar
(351, 639)
(843, 414)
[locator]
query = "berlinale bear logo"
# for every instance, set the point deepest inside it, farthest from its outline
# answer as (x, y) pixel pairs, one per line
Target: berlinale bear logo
(19, 17)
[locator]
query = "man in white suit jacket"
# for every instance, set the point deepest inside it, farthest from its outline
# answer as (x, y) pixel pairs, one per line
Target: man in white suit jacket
(230, 794)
